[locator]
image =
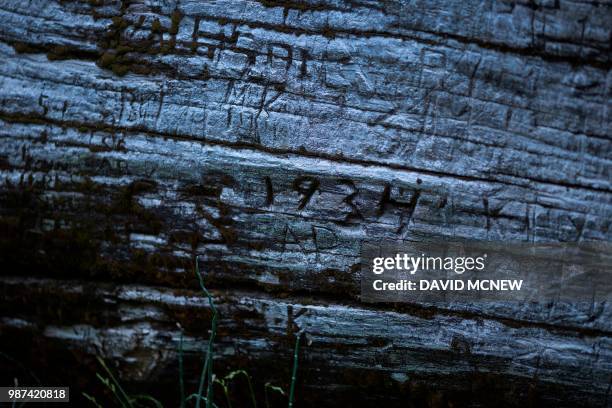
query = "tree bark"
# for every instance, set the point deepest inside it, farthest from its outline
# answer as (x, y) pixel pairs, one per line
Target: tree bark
(271, 139)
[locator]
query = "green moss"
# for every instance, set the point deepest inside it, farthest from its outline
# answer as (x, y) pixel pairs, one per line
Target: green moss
(117, 47)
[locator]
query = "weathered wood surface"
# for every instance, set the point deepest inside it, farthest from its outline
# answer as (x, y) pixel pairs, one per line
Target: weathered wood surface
(272, 139)
(466, 354)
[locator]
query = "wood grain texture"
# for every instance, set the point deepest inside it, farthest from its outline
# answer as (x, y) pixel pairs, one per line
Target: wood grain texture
(271, 139)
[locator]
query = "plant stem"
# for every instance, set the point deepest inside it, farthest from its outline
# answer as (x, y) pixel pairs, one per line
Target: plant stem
(273, 388)
(295, 366)
(122, 393)
(202, 378)
(209, 353)
(251, 390)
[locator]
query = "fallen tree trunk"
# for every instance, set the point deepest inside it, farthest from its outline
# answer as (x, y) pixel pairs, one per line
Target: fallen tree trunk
(411, 353)
(272, 139)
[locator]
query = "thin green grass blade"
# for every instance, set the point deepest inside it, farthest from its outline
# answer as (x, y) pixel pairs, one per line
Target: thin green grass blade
(295, 367)
(147, 398)
(225, 389)
(274, 388)
(91, 399)
(196, 396)
(209, 353)
(127, 402)
(235, 373)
